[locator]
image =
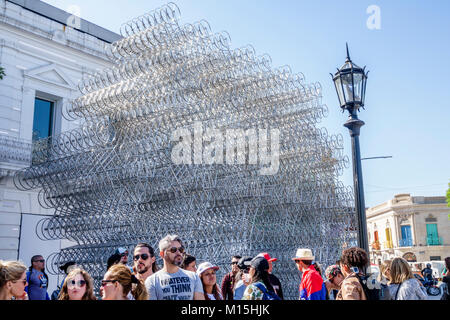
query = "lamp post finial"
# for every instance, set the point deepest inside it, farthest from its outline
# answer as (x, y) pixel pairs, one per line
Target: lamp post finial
(348, 54)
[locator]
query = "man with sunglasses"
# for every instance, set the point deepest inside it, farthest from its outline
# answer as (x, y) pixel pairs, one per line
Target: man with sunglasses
(144, 261)
(173, 282)
(228, 280)
(243, 274)
(37, 279)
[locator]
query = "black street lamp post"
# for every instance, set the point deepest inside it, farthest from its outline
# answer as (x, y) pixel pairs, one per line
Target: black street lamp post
(350, 82)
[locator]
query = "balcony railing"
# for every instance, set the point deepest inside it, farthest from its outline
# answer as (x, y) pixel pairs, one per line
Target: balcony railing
(434, 241)
(15, 154)
(15, 150)
(405, 243)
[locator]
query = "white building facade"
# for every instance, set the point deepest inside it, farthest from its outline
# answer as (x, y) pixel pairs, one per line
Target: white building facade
(415, 228)
(44, 52)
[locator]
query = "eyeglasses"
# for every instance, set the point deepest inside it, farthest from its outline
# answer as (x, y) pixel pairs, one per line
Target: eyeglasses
(42, 260)
(175, 249)
(73, 283)
(234, 262)
(105, 282)
(144, 257)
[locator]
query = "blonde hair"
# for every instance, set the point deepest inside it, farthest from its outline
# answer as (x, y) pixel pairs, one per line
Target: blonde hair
(88, 295)
(400, 271)
(384, 267)
(129, 282)
(11, 271)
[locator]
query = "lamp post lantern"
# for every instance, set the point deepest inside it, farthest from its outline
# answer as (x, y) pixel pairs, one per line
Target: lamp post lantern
(350, 82)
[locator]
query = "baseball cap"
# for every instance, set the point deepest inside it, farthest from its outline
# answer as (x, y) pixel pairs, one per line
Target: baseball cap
(259, 263)
(206, 266)
(65, 266)
(121, 250)
(267, 257)
(244, 262)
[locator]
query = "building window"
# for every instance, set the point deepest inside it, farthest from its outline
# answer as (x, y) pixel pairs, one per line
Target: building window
(435, 258)
(376, 241)
(406, 240)
(43, 121)
(432, 235)
(389, 238)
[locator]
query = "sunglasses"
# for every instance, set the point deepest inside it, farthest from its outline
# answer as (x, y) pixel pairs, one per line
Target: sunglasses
(42, 260)
(144, 257)
(233, 263)
(105, 282)
(73, 283)
(175, 249)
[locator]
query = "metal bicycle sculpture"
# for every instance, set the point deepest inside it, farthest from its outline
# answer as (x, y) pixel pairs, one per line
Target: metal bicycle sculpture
(113, 182)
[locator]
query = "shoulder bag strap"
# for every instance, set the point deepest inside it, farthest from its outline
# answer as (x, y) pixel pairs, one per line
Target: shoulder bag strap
(261, 287)
(398, 289)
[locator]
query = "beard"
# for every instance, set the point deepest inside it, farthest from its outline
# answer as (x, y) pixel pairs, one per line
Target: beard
(141, 269)
(177, 260)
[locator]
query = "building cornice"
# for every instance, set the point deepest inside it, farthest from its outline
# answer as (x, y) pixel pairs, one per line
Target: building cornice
(399, 209)
(55, 14)
(50, 53)
(55, 36)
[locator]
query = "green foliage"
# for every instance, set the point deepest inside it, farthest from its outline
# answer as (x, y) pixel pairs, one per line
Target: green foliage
(448, 196)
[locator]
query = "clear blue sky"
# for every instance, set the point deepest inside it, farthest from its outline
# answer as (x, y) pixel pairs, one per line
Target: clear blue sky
(407, 112)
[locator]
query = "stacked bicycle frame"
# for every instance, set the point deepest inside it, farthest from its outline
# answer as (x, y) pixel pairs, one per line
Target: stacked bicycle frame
(113, 181)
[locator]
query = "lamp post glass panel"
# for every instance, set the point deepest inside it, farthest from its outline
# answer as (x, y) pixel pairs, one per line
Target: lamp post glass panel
(350, 83)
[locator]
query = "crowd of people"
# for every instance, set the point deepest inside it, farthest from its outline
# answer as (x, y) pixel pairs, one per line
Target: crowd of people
(180, 278)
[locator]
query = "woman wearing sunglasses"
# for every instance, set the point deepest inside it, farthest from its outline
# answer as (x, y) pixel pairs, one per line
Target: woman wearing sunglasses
(78, 285)
(118, 282)
(13, 279)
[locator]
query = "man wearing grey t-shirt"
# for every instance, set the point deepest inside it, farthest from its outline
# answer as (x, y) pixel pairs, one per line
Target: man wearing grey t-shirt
(172, 282)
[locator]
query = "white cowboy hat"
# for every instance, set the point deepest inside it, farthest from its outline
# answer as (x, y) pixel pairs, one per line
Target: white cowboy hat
(303, 254)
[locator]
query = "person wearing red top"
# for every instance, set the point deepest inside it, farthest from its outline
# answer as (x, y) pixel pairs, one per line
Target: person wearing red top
(312, 286)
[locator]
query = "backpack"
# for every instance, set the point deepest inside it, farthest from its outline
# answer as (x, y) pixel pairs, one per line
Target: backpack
(267, 295)
(372, 288)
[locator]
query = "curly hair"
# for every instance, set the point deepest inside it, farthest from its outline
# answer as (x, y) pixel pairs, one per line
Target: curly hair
(354, 257)
(88, 295)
